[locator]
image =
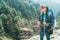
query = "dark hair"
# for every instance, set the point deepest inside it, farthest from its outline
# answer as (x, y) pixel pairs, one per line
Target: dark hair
(47, 10)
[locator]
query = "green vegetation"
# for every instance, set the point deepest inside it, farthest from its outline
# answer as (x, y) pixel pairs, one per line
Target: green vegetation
(17, 14)
(58, 19)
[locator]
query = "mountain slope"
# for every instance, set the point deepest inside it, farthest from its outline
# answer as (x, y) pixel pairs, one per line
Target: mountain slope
(50, 4)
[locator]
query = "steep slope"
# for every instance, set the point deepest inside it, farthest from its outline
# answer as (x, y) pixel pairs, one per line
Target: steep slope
(17, 16)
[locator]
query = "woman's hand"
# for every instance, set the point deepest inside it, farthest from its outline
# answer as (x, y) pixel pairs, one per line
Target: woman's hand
(44, 23)
(38, 23)
(38, 26)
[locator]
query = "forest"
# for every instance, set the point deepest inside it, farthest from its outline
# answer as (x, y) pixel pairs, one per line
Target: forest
(18, 16)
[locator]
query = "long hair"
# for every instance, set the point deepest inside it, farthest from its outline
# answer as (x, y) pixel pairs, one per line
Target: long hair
(47, 10)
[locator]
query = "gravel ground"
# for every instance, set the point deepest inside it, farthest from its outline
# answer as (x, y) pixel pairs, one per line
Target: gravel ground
(54, 36)
(37, 37)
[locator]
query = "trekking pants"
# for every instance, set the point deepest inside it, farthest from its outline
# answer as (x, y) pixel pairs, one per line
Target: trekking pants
(43, 30)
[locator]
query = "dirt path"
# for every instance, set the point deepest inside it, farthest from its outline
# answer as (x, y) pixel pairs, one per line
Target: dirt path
(37, 37)
(54, 36)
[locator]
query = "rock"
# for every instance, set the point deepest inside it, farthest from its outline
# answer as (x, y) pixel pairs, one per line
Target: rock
(58, 31)
(56, 38)
(36, 37)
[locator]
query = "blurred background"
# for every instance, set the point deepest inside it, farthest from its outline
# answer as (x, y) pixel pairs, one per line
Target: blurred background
(18, 18)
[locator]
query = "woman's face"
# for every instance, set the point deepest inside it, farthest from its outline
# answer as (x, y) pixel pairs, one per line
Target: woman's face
(43, 9)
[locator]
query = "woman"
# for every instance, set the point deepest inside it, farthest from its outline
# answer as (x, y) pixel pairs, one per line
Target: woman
(46, 20)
